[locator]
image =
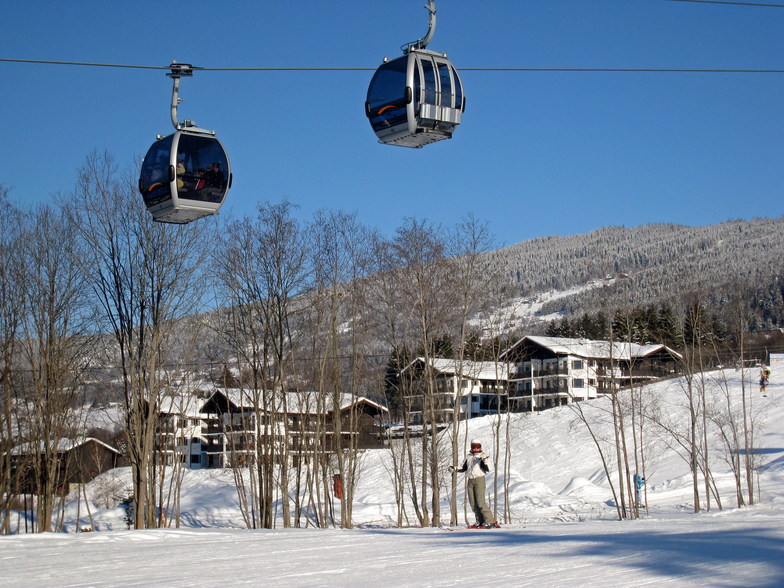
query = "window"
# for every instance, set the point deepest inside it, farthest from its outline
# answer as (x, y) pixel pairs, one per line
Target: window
(446, 84)
(429, 74)
(578, 383)
(577, 364)
(155, 185)
(386, 97)
(458, 91)
(203, 176)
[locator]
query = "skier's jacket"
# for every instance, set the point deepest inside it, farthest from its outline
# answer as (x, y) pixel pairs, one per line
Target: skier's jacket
(476, 464)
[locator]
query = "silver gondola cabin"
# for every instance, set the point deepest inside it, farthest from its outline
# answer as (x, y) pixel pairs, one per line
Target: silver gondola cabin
(186, 175)
(415, 99)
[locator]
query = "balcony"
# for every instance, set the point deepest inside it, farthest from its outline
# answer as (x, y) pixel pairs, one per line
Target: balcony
(540, 372)
(216, 428)
(552, 390)
(560, 389)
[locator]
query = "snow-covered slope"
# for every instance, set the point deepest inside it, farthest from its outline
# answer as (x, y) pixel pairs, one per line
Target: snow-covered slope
(562, 530)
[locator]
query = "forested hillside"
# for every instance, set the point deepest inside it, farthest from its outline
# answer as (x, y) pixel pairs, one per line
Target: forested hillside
(658, 263)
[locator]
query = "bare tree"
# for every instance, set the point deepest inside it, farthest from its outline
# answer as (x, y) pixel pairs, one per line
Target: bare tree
(494, 325)
(694, 334)
(427, 291)
(341, 261)
(599, 419)
(736, 425)
(144, 276)
(262, 269)
(391, 327)
(12, 304)
(53, 346)
(467, 245)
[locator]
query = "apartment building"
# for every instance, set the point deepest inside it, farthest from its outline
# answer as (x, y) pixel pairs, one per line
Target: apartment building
(554, 371)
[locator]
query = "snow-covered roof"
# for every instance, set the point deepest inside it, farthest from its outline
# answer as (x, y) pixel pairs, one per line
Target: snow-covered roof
(62, 446)
(590, 349)
(477, 370)
(236, 397)
(181, 404)
(306, 402)
(296, 402)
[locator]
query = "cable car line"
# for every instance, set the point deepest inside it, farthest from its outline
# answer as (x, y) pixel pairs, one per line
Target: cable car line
(166, 67)
(489, 69)
(621, 69)
(41, 61)
(758, 4)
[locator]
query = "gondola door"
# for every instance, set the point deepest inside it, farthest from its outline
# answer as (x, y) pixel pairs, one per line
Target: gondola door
(441, 94)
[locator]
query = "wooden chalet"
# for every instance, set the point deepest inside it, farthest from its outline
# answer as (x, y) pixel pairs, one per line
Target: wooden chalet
(78, 461)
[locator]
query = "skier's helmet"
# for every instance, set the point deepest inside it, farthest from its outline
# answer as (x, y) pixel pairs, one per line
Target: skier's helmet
(476, 446)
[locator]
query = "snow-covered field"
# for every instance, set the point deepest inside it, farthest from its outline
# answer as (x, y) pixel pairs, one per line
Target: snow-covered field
(562, 532)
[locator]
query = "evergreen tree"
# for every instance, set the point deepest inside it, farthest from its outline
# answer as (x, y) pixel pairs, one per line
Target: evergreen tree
(667, 327)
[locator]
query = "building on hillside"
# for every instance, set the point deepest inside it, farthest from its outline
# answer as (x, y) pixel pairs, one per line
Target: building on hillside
(480, 386)
(180, 439)
(78, 461)
(231, 427)
(362, 423)
(554, 371)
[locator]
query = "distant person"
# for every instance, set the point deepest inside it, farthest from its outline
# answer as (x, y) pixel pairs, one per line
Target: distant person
(180, 173)
(764, 375)
(476, 464)
(639, 482)
(215, 175)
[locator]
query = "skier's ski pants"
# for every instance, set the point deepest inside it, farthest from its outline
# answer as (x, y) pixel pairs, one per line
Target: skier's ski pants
(476, 498)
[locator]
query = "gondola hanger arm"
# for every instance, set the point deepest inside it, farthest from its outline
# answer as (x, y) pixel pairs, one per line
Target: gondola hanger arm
(179, 70)
(424, 41)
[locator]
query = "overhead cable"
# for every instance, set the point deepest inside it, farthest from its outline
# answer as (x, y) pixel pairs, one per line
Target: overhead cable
(489, 69)
(732, 3)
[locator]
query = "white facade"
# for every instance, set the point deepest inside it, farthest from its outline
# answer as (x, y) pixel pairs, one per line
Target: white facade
(482, 387)
(544, 383)
(180, 435)
(554, 371)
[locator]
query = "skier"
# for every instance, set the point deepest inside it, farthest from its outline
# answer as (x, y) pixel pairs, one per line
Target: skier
(476, 465)
(764, 375)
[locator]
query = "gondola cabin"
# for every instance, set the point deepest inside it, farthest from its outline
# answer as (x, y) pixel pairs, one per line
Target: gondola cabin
(415, 99)
(185, 177)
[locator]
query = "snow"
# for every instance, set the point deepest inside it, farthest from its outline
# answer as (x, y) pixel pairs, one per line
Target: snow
(563, 529)
(521, 310)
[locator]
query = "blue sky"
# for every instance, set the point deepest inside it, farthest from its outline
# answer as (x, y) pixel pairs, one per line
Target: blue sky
(537, 153)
